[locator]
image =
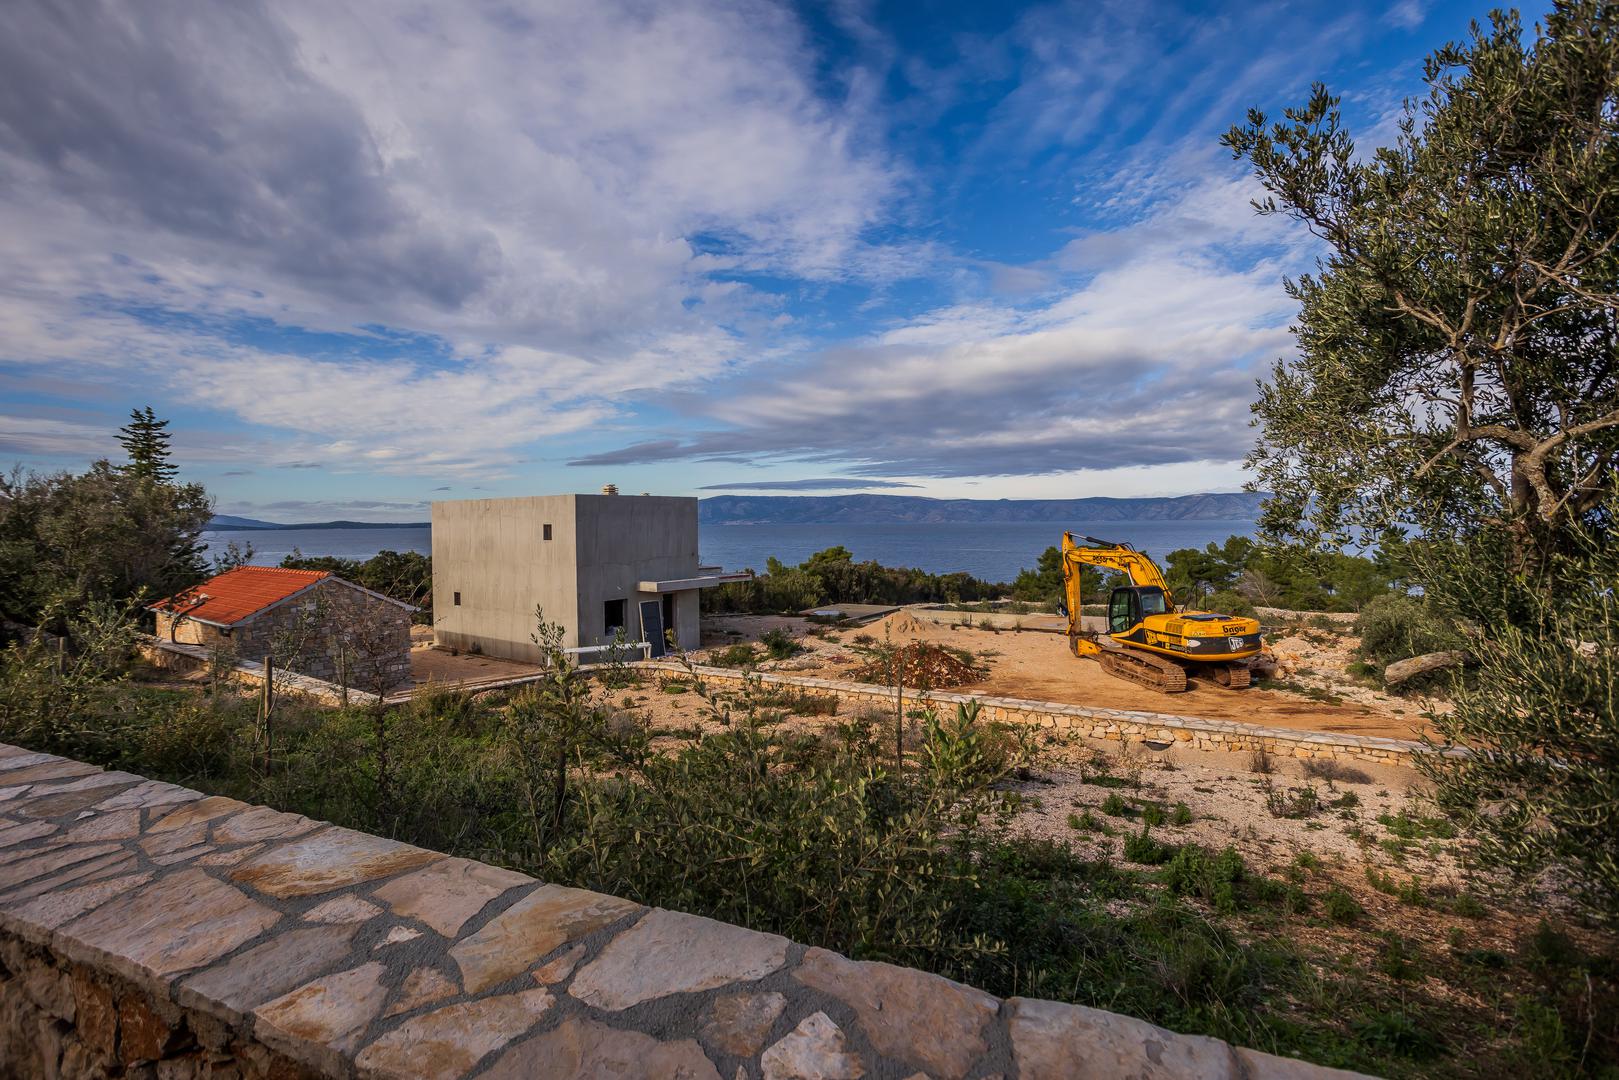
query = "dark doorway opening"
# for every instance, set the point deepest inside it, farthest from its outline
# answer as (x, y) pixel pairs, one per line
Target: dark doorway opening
(613, 616)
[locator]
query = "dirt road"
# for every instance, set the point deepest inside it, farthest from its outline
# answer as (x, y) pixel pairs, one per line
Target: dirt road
(1039, 667)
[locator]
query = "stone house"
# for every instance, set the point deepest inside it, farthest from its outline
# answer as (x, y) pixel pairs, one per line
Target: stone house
(311, 621)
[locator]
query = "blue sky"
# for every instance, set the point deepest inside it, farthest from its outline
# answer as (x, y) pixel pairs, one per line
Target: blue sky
(369, 255)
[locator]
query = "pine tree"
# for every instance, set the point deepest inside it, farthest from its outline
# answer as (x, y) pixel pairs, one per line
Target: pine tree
(147, 444)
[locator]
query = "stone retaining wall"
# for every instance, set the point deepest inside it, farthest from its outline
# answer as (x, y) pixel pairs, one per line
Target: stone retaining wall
(1114, 725)
(178, 656)
(147, 930)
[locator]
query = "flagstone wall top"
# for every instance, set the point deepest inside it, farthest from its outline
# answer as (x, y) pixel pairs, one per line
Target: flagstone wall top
(350, 954)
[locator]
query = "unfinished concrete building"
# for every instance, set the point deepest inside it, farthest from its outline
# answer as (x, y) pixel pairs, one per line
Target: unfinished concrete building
(594, 564)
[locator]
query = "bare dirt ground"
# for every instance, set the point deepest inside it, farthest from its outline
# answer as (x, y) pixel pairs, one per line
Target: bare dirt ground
(1328, 830)
(1318, 693)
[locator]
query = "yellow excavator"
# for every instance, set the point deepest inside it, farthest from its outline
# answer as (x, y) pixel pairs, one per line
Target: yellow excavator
(1147, 640)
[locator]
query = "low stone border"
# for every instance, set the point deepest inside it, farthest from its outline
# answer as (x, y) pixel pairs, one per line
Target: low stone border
(1113, 724)
(174, 655)
(145, 927)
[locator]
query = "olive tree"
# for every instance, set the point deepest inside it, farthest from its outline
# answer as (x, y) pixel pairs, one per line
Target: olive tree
(1458, 370)
(1458, 364)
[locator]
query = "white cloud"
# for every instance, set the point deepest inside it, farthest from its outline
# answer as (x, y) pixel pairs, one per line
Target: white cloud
(547, 190)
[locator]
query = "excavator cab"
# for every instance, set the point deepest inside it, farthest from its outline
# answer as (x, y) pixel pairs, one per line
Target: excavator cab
(1130, 604)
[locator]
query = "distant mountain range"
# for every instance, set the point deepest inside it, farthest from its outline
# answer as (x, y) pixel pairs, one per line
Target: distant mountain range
(232, 522)
(895, 509)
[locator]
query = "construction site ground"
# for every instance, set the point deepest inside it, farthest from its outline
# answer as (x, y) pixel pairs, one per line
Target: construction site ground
(1314, 690)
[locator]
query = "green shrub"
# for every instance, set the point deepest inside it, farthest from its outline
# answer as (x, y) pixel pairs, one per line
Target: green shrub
(1115, 806)
(738, 655)
(1182, 815)
(1341, 905)
(1397, 627)
(1398, 958)
(1397, 1033)
(1142, 848)
(779, 644)
(1231, 602)
(1152, 814)
(1216, 879)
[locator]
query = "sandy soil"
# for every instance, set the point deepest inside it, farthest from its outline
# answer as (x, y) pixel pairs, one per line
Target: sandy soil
(1039, 666)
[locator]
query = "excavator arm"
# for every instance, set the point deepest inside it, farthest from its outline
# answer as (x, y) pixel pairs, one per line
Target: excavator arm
(1140, 569)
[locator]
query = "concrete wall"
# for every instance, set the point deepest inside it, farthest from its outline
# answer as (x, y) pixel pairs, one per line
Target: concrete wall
(627, 539)
(601, 548)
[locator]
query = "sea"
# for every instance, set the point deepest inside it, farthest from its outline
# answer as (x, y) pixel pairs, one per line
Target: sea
(990, 551)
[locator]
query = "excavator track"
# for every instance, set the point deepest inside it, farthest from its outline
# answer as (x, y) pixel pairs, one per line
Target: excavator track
(1153, 672)
(1233, 676)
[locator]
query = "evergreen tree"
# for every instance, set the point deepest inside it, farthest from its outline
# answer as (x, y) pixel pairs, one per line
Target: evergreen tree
(147, 444)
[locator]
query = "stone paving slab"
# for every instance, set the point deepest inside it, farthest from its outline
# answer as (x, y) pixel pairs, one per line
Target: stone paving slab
(352, 956)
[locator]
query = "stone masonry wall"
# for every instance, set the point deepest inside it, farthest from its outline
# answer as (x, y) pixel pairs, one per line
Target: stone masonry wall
(1115, 725)
(373, 635)
(149, 931)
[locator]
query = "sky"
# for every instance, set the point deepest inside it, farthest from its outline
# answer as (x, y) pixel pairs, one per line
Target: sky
(367, 255)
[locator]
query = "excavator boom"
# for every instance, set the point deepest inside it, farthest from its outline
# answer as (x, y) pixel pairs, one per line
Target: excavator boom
(1140, 569)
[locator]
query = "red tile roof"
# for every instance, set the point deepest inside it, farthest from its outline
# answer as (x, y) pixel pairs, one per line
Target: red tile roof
(228, 598)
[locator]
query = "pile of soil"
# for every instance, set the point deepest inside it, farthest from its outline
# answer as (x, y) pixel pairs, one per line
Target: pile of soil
(925, 665)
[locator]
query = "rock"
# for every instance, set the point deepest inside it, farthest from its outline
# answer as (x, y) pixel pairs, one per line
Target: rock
(398, 935)
(49, 769)
(97, 1022)
(107, 865)
(448, 893)
(814, 1050)
(555, 970)
(669, 952)
(179, 922)
(327, 860)
(447, 1042)
(17, 834)
(422, 986)
(1053, 1041)
(146, 795)
(888, 1000)
(56, 908)
(118, 825)
(578, 1048)
(261, 823)
(142, 1034)
(35, 866)
(739, 1023)
(209, 809)
(317, 1022)
(49, 990)
(288, 960)
(231, 857)
(343, 909)
(539, 923)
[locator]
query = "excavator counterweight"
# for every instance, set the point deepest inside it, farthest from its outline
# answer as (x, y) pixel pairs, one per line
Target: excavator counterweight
(1148, 640)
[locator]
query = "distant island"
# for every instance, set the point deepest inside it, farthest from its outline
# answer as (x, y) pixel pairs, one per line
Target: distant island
(899, 509)
(234, 523)
(893, 509)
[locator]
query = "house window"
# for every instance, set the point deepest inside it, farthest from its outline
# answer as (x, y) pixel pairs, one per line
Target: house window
(547, 530)
(457, 599)
(613, 616)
